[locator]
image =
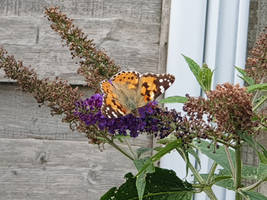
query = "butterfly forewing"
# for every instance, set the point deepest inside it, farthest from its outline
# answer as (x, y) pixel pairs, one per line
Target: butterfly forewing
(128, 91)
(129, 79)
(153, 85)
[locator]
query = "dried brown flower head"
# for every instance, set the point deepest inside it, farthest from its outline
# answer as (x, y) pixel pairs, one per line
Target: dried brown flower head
(257, 60)
(95, 65)
(225, 113)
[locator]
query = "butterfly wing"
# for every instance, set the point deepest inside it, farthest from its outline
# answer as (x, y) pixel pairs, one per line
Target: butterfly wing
(129, 79)
(120, 94)
(128, 91)
(111, 106)
(153, 85)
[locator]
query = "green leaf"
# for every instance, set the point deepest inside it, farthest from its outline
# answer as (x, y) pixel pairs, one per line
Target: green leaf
(259, 102)
(260, 149)
(254, 195)
(120, 138)
(195, 155)
(225, 181)
(219, 157)
(174, 99)
(224, 177)
(203, 75)
(158, 148)
(245, 77)
(206, 77)
(109, 194)
(163, 185)
(249, 172)
(170, 138)
(262, 171)
(140, 151)
(262, 157)
(252, 88)
(169, 147)
(194, 67)
(141, 179)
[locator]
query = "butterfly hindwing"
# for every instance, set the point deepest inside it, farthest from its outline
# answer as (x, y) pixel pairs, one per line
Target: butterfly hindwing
(111, 106)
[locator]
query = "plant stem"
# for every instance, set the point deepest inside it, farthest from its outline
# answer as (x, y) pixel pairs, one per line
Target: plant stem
(221, 141)
(211, 172)
(230, 162)
(116, 146)
(259, 103)
(206, 189)
(251, 187)
(238, 171)
(257, 93)
(210, 193)
(130, 148)
(193, 170)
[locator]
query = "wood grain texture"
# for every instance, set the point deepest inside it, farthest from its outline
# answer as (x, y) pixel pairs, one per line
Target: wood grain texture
(164, 35)
(41, 170)
(21, 117)
(40, 158)
(129, 31)
(138, 10)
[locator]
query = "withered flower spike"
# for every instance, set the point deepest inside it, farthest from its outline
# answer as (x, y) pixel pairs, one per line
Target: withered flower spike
(57, 94)
(95, 65)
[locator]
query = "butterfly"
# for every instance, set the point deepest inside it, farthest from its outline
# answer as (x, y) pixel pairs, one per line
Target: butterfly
(127, 91)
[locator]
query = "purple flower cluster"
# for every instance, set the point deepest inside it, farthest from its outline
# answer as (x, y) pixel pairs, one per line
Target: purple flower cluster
(149, 119)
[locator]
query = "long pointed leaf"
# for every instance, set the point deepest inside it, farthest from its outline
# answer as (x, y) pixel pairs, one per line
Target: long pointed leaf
(252, 88)
(245, 77)
(174, 99)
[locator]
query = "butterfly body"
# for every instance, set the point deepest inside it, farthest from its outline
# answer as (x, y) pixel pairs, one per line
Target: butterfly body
(129, 90)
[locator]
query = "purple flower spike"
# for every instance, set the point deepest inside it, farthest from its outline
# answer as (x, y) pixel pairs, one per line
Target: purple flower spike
(89, 111)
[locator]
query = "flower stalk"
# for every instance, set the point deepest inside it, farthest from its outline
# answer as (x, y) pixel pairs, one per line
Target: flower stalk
(211, 172)
(113, 144)
(230, 161)
(238, 171)
(191, 167)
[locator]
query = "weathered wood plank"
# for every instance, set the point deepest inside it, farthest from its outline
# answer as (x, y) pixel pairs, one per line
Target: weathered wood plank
(40, 169)
(144, 11)
(164, 35)
(132, 45)
(128, 30)
(21, 117)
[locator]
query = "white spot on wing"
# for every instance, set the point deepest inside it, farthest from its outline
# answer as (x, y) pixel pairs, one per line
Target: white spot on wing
(160, 80)
(120, 112)
(114, 114)
(161, 89)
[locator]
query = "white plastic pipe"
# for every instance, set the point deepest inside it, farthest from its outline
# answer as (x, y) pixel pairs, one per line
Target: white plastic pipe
(214, 32)
(186, 36)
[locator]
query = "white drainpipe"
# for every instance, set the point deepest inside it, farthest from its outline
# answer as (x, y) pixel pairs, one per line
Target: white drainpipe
(212, 32)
